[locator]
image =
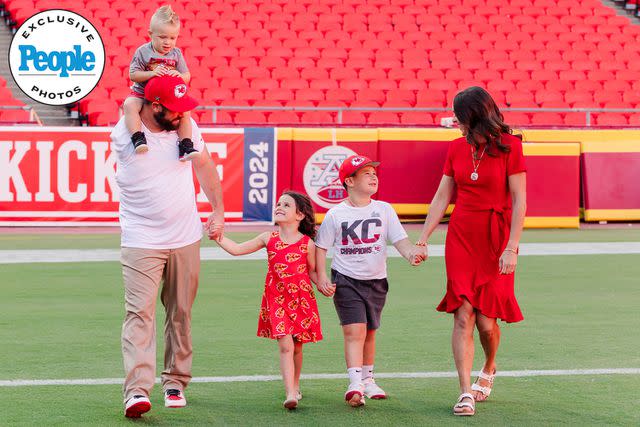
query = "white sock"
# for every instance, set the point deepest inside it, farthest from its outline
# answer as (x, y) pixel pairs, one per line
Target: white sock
(367, 372)
(355, 375)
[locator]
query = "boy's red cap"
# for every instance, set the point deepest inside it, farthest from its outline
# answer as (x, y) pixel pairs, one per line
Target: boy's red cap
(171, 92)
(353, 164)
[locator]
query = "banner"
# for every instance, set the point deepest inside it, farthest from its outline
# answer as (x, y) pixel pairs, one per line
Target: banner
(259, 176)
(60, 176)
(411, 167)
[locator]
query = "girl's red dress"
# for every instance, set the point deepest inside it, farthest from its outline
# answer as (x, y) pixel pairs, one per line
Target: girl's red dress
(288, 303)
(479, 230)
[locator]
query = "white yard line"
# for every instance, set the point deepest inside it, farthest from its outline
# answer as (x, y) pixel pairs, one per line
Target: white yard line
(209, 254)
(261, 378)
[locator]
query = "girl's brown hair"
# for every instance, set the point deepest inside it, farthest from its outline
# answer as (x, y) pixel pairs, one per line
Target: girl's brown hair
(303, 205)
(477, 111)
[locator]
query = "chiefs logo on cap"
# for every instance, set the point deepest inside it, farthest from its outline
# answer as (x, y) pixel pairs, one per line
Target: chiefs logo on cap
(357, 161)
(180, 90)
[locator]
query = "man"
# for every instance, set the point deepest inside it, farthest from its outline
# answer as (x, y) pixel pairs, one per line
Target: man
(161, 232)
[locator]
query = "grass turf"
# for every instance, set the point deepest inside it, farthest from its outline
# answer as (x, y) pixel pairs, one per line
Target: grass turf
(63, 321)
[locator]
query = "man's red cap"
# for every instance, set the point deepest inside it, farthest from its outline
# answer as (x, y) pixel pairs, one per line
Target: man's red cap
(353, 164)
(171, 92)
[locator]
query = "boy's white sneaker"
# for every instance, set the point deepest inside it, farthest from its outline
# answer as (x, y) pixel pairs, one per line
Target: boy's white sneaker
(373, 391)
(136, 406)
(355, 395)
(174, 398)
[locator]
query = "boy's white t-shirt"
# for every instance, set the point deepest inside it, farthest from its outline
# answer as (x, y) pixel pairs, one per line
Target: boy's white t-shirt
(359, 236)
(157, 193)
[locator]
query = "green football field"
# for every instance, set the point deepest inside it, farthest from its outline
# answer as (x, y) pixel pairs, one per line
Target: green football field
(62, 322)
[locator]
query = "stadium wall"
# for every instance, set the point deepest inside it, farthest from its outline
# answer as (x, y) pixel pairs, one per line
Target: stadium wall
(66, 176)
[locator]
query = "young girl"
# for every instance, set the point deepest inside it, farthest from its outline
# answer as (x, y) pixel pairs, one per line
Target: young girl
(289, 312)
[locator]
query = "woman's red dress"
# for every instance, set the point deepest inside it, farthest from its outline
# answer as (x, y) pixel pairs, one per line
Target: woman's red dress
(479, 230)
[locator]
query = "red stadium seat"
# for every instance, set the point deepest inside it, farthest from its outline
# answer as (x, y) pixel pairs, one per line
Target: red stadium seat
(353, 118)
(383, 84)
(323, 84)
(416, 118)
(340, 95)
(574, 97)
(372, 74)
(279, 95)
(15, 116)
(516, 118)
(383, 118)
(313, 95)
(284, 117)
(249, 95)
(611, 119)
(547, 119)
(104, 118)
(216, 95)
(376, 95)
(249, 117)
(317, 118)
(544, 96)
(294, 84)
(285, 73)
(353, 84)
(401, 95)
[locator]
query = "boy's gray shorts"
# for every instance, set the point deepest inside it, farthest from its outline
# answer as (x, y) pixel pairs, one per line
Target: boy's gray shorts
(359, 301)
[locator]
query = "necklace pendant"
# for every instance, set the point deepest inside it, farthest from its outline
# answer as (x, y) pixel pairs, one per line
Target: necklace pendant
(474, 176)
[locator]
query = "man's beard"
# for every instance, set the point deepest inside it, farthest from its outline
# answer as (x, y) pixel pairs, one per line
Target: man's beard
(163, 122)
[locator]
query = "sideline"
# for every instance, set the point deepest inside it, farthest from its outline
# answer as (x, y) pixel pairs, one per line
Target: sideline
(213, 254)
(262, 378)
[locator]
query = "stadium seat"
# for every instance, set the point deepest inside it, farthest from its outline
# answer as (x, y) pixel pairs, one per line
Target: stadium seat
(248, 94)
(353, 118)
(611, 119)
(249, 117)
(376, 95)
(313, 95)
(416, 118)
(574, 97)
(104, 118)
(317, 118)
(402, 95)
(383, 118)
(547, 119)
(280, 95)
(516, 118)
(283, 117)
(14, 116)
(340, 95)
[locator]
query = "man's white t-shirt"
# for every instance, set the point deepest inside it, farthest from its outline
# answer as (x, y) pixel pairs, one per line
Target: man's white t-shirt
(359, 236)
(157, 193)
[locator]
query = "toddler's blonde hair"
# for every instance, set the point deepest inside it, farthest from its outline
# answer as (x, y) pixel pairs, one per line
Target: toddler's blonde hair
(164, 15)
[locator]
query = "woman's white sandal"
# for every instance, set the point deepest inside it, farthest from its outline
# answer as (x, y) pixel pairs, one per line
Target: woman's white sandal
(461, 405)
(485, 390)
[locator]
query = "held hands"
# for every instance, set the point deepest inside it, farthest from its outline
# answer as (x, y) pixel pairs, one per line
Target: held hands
(508, 261)
(325, 287)
(214, 227)
(419, 254)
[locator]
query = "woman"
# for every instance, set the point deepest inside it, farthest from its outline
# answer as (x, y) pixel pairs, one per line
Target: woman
(486, 167)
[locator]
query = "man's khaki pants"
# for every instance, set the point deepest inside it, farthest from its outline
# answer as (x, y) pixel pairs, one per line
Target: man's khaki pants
(143, 270)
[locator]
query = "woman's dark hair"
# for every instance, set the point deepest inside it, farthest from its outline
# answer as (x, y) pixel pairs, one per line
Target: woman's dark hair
(303, 205)
(477, 111)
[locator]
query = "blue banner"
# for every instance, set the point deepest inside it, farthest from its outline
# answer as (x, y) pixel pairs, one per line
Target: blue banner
(259, 174)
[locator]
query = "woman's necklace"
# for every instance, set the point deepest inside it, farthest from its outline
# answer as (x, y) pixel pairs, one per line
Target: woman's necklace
(474, 174)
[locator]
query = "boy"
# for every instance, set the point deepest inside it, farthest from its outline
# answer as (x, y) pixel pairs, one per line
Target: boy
(159, 57)
(359, 228)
